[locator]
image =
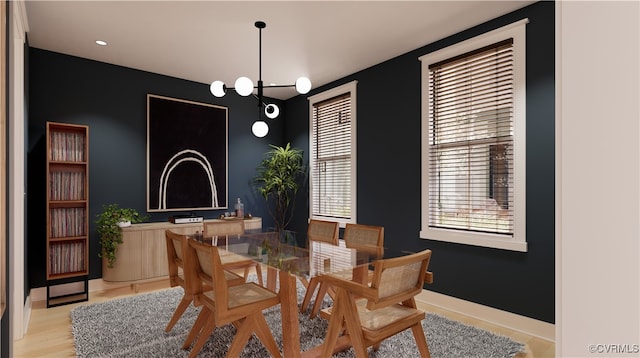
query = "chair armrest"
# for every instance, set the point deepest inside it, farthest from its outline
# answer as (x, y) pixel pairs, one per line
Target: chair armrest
(428, 278)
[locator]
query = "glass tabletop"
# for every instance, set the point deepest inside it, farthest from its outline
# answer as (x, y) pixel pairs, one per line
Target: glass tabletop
(281, 251)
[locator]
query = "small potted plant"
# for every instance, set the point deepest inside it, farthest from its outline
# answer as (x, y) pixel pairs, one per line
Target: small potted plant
(110, 222)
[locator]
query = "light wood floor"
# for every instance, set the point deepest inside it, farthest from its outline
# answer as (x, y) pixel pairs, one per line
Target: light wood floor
(49, 333)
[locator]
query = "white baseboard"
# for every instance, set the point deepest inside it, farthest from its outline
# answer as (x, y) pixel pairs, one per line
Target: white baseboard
(38, 294)
(530, 326)
(26, 314)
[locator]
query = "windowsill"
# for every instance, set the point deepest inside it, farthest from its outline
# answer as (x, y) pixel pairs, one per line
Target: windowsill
(475, 239)
(341, 222)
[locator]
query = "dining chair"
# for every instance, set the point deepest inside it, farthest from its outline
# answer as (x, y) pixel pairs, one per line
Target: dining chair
(368, 238)
(176, 247)
(318, 231)
(386, 307)
(323, 231)
(228, 228)
(240, 305)
(364, 238)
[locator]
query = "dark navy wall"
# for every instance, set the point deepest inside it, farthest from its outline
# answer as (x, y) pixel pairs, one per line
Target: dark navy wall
(389, 173)
(111, 100)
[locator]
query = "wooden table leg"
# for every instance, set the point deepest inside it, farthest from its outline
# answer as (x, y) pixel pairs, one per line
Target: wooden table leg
(272, 278)
(360, 274)
(289, 311)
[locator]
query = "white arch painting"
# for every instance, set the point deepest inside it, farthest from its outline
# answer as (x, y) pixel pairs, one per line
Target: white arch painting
(190, 141)
(187, 155)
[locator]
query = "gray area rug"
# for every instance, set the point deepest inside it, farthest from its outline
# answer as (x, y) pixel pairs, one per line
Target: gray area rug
(134, 327)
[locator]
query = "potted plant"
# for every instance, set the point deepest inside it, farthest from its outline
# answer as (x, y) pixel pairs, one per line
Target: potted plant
(110, 222)
(277, 182)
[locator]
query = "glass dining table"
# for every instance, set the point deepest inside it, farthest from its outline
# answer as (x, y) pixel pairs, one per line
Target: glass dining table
(286, 262)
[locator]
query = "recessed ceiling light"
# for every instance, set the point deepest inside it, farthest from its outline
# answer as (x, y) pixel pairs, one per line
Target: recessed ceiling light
(101, 43)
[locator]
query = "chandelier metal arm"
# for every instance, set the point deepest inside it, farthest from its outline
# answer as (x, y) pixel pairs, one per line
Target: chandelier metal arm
(267, 86)
(279, 86)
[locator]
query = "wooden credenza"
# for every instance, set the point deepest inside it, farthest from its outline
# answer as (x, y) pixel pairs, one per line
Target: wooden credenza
(143, 253)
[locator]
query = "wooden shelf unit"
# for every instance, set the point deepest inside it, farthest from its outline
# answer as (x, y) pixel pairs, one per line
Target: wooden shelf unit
(67, 209)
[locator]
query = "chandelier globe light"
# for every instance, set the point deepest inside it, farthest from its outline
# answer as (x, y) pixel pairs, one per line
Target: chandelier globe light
(244, 86)
(260, 128)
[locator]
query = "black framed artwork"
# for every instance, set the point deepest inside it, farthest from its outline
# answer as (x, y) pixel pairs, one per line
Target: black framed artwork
(187, 155)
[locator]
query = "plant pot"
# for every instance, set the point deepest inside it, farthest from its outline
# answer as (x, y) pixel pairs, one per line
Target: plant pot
(124, 223)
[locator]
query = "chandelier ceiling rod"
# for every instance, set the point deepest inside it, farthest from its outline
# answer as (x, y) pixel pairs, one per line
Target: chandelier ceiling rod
(260, 25)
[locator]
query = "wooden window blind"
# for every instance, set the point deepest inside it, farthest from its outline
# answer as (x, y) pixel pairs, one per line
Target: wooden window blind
(471, 104)
(331, 153)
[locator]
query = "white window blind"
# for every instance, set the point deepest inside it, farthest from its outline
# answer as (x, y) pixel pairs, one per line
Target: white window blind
(471, 128)
(331, 162)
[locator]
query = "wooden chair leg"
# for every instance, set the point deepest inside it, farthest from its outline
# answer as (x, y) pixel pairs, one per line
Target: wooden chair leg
(203, 317)
(259, 274)
(317, 304)
(311, 287)
(205, 333)
(335, 328)
(182, 306)
(352, 322)
(304, 281)
(266, 337)
(243, 333)
(421, 340)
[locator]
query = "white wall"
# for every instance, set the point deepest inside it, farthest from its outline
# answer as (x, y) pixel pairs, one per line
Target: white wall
(16, 155)
(598, 181)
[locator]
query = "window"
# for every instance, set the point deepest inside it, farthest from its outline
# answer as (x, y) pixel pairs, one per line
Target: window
(332, 134)
(473, 141)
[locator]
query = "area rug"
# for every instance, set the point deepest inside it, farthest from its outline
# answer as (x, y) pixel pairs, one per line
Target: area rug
(134, 327)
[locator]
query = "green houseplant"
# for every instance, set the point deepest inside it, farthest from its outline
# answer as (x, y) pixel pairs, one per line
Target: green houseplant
(277, 182)
(109, 224)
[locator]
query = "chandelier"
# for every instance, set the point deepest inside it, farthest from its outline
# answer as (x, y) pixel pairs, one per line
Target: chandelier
(244, 87)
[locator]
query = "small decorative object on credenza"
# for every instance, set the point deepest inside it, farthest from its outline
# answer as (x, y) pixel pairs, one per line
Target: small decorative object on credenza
(232, 216)
(185, 219)
(239, 209)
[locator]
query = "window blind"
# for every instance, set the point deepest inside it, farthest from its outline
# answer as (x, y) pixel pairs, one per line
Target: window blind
(331, 151)
(471, 99)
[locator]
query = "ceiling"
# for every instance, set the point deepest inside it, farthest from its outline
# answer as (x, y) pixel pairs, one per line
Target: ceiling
(203, 41)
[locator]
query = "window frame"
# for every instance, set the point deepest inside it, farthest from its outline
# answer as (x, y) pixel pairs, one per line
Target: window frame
(517, 31)
(351, 88)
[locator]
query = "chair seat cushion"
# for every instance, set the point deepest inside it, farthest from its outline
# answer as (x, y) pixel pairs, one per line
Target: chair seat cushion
(248, 294)
(383, 322)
